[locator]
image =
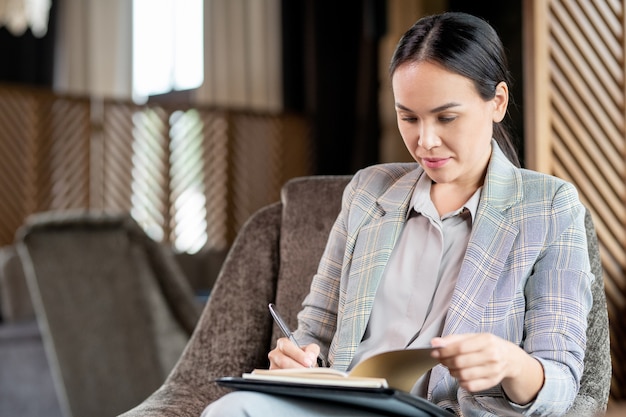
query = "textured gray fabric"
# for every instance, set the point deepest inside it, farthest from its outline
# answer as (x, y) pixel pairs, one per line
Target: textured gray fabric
(310, 207)
(114, 310)
(15, 304)
(26, 387)
(596, 380)
(201, 268)
(234, 331)
(273, 260)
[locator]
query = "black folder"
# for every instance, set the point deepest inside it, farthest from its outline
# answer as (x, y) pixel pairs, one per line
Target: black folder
(388, 401)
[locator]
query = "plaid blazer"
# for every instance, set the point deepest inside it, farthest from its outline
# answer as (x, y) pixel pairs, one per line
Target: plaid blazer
(525, 277)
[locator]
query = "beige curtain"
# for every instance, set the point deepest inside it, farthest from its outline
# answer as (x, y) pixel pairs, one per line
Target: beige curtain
(242, 52)
(242, 55)
(94, 48)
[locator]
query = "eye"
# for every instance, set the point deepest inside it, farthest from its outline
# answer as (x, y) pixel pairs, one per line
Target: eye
(446, 118)
(407, 117)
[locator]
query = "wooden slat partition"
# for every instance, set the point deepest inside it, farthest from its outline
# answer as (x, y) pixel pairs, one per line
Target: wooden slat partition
(576, 127)
(190, 176)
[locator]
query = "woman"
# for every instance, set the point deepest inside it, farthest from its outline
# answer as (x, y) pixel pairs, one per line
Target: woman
(462, 250)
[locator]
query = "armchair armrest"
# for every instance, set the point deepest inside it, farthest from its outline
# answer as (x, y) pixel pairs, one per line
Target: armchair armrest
(234, 331)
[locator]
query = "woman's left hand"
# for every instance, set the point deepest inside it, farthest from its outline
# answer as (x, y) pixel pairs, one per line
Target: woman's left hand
(482, 360)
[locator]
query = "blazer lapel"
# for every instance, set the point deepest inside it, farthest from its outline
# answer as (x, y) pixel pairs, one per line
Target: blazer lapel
(375, 238)
(487, 251)
(488, 248)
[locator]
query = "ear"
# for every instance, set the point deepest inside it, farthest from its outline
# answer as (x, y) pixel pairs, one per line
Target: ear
(500, 101)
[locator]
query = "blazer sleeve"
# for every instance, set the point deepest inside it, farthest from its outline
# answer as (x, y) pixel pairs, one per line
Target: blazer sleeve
(558, 299)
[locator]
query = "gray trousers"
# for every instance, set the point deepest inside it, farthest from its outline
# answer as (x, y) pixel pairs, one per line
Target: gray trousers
(255, 404)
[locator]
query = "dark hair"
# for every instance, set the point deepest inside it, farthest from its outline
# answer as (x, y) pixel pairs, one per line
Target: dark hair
(466, 45)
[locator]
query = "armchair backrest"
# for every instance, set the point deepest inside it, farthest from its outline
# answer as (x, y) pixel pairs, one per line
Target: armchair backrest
(310, 207)
(272, 260)
(15, 304)
(595, 383)
(114, 313)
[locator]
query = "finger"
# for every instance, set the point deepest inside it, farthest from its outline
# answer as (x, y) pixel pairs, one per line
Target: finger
(479, 384)
(312, 351)
(448, 346)
(476, 371)
(476, 378)
(460, 344)
(288, 355)
(488, 358)
(295, 352)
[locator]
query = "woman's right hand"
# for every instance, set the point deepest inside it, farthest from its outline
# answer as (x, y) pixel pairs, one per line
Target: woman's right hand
(287, 355)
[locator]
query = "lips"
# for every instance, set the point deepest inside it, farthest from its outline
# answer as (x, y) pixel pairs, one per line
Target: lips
(434, 162)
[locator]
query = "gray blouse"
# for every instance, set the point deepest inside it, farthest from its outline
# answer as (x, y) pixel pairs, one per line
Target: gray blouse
(413, 296)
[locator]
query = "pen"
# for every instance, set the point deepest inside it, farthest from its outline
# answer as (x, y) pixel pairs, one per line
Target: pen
(321, 361)
(283, 326)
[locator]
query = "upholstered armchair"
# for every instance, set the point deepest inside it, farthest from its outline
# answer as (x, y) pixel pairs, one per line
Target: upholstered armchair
(273, 260)
(114, 309)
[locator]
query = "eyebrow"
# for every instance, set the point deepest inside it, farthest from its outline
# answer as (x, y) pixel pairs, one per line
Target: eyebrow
(435, 110)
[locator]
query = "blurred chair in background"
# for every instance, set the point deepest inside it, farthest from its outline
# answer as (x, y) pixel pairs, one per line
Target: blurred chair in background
(15, 303)
(113, 306)
(26, 386)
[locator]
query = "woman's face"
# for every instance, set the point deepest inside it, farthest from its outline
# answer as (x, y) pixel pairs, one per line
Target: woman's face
(445, 124)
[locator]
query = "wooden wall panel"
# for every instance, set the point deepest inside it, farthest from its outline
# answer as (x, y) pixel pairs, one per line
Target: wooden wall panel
(189, 176)
(18, 137)
(576, 127)
(62, 161)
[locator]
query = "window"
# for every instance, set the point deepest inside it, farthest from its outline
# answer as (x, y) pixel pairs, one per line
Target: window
(167, 46)
(168, 168)
(168, 179)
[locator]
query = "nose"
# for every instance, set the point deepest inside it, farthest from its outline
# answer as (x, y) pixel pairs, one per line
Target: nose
(428, 138)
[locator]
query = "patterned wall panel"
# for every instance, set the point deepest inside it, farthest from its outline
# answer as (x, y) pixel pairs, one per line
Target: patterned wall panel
(18, 137)
(112, 147)
(189, 176)
(265, 152)
(63, 141)
(577, 127)
(254, 154)
(215, 132)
